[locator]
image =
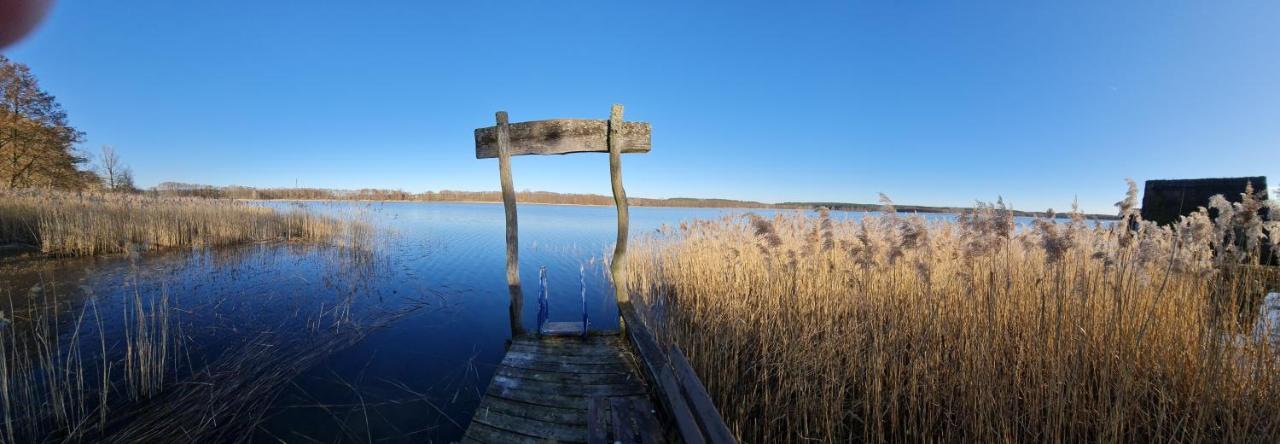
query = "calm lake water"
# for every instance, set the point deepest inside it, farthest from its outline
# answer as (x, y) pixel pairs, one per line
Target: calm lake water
(418, 378)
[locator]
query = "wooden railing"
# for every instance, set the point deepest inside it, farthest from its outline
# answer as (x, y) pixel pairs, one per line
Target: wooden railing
(681, 393)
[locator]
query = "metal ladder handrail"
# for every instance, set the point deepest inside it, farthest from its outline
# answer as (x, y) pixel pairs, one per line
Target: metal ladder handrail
(544, 299)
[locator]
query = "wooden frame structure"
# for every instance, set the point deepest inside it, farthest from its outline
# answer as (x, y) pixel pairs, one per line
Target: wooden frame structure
(560, 136)
(590, 384)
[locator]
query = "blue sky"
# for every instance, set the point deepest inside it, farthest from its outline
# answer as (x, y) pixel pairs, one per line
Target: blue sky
(935, 103)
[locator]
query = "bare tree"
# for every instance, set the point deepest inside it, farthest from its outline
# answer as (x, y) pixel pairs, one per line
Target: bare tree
(110, 165)
(116, 176)
(124, 181)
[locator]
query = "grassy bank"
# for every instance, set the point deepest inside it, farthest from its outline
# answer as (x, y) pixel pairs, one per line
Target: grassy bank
(76, 224)
(894, 328)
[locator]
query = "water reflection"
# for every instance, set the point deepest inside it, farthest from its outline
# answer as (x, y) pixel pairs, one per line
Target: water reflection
(390, 343)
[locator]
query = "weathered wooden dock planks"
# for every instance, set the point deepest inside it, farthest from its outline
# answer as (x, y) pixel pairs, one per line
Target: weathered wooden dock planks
(567, 390)
(596, 389)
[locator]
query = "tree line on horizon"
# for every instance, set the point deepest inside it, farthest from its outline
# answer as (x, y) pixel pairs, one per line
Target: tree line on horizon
(179, 189)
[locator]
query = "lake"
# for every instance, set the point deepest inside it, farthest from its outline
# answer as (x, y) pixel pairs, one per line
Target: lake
(435, 278)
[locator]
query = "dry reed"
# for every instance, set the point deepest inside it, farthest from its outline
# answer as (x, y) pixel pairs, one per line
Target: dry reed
(85, 224)
(227, 399)
(143, 368)
(63, 377)
(56, 383)
(893, 328)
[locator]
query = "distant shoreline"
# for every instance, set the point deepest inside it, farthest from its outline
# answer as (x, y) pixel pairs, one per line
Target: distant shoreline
(790, 206)
(436, 201)
(490, 202)
(539, 198)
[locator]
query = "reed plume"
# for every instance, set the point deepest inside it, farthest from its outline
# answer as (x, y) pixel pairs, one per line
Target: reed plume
(972, 329)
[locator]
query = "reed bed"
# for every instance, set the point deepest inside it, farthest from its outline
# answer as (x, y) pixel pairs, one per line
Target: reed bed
(84, 224)
(142, 366)
(55, 383)
(226, 400)
(63, 379)
(894, 328)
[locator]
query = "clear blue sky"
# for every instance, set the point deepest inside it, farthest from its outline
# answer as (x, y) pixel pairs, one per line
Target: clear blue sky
(938, 103)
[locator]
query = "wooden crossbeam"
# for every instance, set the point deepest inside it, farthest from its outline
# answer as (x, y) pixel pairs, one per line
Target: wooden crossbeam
(562, 136)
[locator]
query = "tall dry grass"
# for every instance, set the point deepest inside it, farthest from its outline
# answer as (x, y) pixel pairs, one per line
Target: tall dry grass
(60, 384)
(894, 328)
(84, 224)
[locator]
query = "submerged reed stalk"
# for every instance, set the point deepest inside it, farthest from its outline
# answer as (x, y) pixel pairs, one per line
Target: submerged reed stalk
(971, 330)
(145, 368)
(59, 384)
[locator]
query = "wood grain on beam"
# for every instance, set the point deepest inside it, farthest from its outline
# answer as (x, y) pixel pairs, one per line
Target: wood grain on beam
(562, 136)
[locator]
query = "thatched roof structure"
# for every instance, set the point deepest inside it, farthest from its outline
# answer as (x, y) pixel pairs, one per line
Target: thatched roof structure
(1166, 200)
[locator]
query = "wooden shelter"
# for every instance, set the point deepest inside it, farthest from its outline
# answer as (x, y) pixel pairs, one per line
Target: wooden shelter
(1164, 201)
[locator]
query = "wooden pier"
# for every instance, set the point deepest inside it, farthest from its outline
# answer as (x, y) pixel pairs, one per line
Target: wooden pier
(602, 388)
(566, 389)
(563, 382)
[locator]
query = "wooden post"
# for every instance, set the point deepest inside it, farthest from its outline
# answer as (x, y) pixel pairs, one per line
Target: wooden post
(620, 200)
(509, 204)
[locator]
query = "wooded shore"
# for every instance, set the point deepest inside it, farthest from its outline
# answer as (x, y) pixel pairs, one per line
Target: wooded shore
(538, 197)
